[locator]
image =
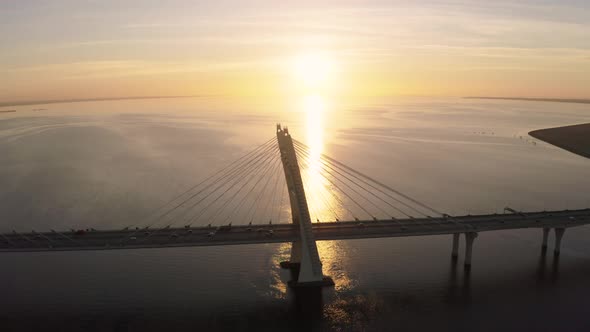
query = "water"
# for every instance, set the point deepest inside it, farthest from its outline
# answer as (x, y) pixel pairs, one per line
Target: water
(106, 164)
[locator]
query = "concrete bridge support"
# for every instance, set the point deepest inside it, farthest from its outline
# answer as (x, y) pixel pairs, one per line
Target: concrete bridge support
(455, 253)
(545, 238)
(558, 235)
(469, 238)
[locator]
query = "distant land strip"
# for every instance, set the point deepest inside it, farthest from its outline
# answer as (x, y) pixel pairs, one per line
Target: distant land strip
(60, 101)
(575, 139)
(555, 100)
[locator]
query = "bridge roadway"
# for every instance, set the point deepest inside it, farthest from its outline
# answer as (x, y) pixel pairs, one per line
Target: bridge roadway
(215, 236)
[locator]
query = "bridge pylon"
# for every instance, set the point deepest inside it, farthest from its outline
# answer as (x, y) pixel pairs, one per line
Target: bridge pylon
(305, 258)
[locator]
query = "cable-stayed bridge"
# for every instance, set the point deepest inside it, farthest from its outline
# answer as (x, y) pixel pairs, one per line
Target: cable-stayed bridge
(290, 192)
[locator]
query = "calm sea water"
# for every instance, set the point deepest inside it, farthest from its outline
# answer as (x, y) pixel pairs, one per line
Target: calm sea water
(104, 164)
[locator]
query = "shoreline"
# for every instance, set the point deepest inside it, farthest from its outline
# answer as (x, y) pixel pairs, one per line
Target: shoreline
(65, 101)
(573, 138)
(552, 100)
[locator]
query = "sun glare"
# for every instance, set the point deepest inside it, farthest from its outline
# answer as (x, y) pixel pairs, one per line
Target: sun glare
(314, 76)
(313, 70)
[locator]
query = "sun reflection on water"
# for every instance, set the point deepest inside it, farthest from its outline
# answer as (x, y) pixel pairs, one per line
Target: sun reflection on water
(278, 288)
(334, 255)
(323, 206)
(321, 203)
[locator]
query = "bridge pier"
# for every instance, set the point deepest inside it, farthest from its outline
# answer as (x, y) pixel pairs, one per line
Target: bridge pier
(558, 235)
(455, 252)
(469, 238)
(545, 237)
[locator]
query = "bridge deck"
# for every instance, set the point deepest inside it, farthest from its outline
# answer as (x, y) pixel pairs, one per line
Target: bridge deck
(201, 236)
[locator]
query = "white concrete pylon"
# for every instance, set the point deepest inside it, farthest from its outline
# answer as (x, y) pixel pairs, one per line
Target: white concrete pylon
(304, 253)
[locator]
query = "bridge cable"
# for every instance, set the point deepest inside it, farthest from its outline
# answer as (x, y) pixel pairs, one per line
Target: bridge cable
(313, 211)
(367, 190)
(254, 207)
(356, 192)
(230, 170)
(379, 183)
(241, 168)
(436, 221)
(446, 216)
(237, 179)
(264, 170)
(337, 197)
(267, 205)
(319, 193)
(305, 164)
(262, 176)
(346, 194)
(274, 195)
(284, 185)
(227, 167)
(236, 167)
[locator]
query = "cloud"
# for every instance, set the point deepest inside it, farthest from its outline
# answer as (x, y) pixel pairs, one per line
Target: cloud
(115, 68)
(372, 36)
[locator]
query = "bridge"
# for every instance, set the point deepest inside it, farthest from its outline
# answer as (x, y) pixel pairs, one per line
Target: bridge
(236, 201)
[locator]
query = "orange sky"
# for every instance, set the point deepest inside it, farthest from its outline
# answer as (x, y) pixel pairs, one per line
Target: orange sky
(74, 49)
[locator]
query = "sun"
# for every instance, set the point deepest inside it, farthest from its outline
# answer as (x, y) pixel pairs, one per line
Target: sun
(313, 70)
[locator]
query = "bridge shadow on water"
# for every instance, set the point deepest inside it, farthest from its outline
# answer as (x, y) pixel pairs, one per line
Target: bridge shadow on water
(529, 299)
(542, 274)
(307, 308)
(461, 305)
(459, 281)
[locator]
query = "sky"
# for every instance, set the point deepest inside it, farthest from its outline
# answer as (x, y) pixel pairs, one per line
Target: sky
(91, 49)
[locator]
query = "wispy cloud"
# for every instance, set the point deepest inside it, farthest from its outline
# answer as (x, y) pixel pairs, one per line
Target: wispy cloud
(74, 41)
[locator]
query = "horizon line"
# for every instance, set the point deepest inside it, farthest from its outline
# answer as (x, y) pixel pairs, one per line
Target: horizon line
(76, 100)
(555, 100)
